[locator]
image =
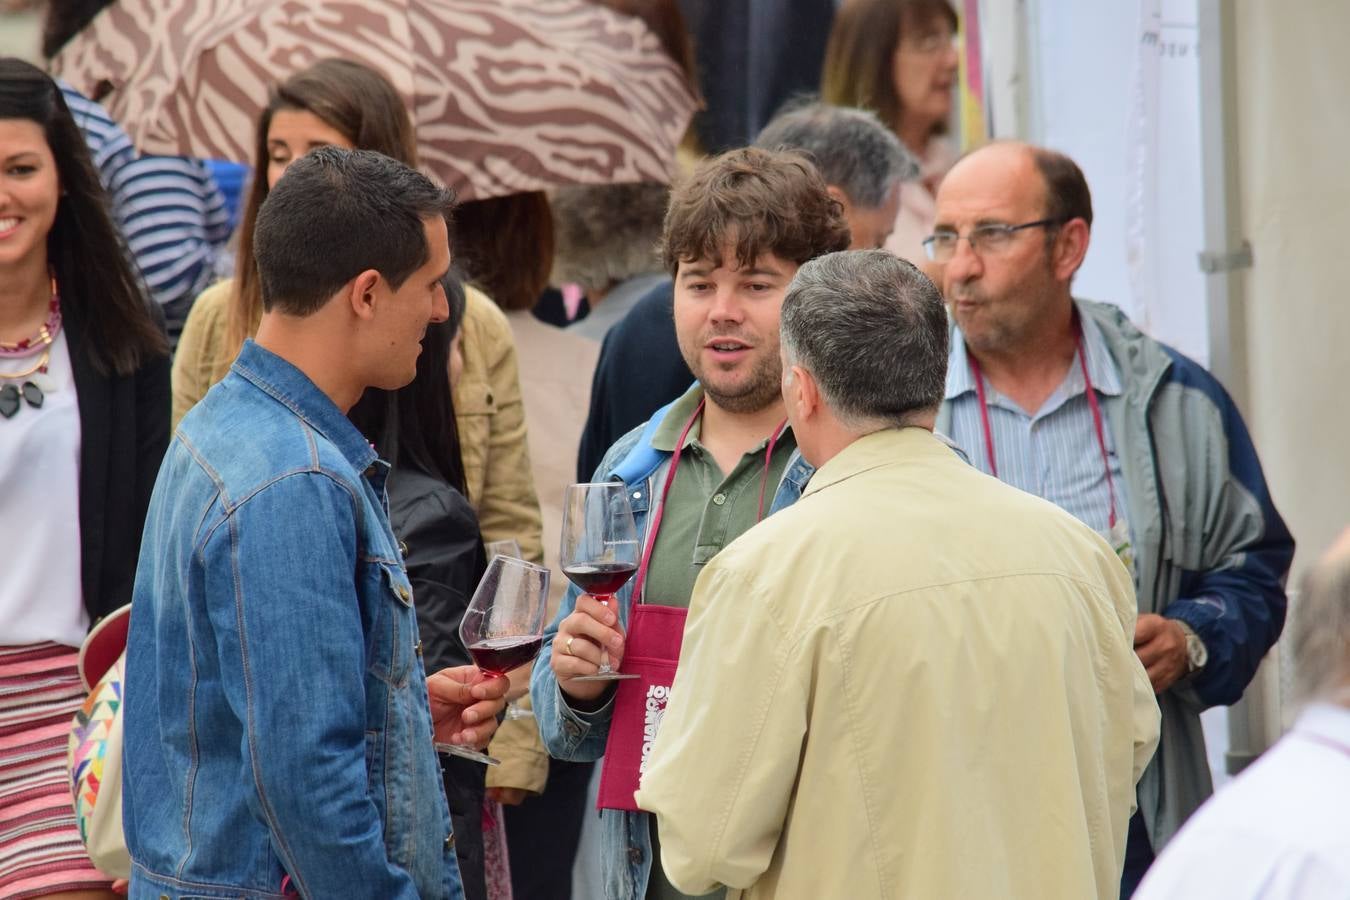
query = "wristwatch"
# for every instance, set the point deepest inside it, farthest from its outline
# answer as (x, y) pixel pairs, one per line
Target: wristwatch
(1196, 652)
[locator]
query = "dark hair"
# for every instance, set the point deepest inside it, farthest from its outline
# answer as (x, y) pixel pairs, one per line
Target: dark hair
(873, 331)
(362, 106)
(336, 214)
(65, 19)
(1066, 190)
(768, 201)
(98, 285)
(414, 426)
(505, 246)
(852, 149)
(858, 68)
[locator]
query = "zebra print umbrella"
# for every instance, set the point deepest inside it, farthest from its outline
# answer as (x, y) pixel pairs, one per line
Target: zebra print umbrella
(507, 95)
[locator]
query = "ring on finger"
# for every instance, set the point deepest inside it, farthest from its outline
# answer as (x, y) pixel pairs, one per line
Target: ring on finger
(567, 647)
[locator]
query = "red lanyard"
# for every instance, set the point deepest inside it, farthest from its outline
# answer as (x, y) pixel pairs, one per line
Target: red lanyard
(1092, 404)
(670, 480)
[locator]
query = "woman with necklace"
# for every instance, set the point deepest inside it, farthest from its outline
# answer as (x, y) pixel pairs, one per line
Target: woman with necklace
(84, 421)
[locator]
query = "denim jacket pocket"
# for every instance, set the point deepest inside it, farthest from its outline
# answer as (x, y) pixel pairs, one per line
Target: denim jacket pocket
(392, 655)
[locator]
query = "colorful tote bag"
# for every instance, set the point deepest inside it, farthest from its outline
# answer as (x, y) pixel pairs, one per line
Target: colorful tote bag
(95, 748)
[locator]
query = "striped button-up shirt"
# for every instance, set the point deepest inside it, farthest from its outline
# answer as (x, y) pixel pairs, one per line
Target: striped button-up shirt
(1053, 452)
(169, 208)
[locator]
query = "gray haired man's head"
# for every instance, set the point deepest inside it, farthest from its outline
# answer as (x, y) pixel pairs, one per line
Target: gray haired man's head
(852, 149)
(872, 330)
(1320, 629)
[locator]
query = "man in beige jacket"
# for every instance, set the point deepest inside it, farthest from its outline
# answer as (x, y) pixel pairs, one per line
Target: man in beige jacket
(882, 680)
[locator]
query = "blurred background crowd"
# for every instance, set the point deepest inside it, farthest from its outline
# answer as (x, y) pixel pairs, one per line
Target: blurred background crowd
(1208, 130)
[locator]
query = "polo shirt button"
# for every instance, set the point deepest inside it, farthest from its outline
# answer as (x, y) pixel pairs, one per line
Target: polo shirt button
(571, 728)
(635, 855)
(719, 499)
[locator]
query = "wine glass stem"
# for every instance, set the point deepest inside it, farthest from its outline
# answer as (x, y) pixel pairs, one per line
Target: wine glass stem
(605, 667)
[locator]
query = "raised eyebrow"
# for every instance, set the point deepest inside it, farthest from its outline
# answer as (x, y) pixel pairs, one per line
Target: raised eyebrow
(696, 272)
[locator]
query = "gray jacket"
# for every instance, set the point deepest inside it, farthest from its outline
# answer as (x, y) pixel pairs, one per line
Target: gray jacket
(1210, 548)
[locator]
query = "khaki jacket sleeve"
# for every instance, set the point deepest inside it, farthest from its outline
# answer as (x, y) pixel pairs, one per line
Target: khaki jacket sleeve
(1147, 722)
(491, 418)
(196, 362)
(720, 804)
(524, 760)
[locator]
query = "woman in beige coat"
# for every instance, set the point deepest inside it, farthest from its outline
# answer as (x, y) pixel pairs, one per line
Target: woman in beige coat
(345, 104)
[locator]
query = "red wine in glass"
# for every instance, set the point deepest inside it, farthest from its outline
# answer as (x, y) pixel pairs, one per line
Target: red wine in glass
(599, 550)
(503, 626)
(497, 656)
(600, 579)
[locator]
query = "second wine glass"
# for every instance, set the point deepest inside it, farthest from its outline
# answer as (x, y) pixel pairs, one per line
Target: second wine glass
(599, 548)
(503, 627)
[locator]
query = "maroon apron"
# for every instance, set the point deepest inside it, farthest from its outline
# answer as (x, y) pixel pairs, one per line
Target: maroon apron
(651, 652)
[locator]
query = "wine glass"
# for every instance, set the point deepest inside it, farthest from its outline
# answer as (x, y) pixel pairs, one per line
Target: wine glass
(508, 547)
(503, 627)
(599, 548)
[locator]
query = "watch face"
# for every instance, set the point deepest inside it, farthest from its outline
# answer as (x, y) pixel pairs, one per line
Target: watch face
(1196, 652)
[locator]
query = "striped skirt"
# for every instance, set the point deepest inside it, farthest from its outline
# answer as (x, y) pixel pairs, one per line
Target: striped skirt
(40, 847)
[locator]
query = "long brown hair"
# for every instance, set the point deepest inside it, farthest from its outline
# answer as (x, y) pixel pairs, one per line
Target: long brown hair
(505, 245)
(99, 289)
(859, 58)
(361, 105)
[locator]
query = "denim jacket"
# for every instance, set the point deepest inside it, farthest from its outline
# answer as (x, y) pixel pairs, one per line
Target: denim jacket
(579, 736)
(277, 733)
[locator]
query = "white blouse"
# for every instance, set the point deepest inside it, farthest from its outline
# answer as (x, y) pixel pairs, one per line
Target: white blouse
(41, 598)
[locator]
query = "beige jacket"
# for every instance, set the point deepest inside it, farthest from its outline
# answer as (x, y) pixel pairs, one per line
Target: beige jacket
(200, 360)
(555, 378)
(488, 409)
(490, 413)
(916, 682)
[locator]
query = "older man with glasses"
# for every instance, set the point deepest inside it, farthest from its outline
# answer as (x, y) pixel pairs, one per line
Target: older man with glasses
(1067, 399)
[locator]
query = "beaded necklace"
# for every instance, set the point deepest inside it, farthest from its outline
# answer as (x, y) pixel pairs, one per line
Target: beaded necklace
(30, 390)
(45, 335)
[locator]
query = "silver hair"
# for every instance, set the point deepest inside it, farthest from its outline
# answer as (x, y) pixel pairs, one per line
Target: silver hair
(872, 329)
(1319, 632)
(852, 149)
(606, 233)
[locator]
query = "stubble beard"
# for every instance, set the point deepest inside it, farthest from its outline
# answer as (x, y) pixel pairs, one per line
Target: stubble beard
(761, 389)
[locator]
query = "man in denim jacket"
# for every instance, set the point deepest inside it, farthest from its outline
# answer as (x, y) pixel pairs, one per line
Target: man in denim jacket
(735, 234)
(278, 724)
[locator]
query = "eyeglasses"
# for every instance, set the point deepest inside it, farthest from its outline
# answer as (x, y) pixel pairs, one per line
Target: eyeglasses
(933, 42)
(992, 238)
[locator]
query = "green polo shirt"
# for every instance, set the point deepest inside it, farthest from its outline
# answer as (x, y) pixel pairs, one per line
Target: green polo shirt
(704, 512)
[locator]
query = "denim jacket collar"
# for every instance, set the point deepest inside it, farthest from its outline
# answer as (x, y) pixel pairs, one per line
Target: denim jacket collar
(292, 388)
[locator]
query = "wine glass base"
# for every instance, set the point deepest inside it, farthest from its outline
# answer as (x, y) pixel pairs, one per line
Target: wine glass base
(604, 676)
(466, 753)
